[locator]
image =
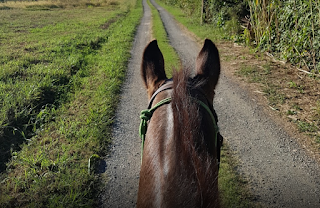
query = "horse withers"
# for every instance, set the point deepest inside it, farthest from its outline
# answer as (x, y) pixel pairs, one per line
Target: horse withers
(180, 163)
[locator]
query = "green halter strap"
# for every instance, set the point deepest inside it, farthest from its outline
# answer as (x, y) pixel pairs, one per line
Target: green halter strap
(146, 115)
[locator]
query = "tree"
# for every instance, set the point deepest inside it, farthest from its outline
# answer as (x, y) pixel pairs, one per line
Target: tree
(203, 11)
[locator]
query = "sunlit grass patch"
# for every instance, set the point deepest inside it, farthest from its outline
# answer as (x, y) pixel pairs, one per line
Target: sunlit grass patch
(307, 127)
(73, 82)
(233, 188)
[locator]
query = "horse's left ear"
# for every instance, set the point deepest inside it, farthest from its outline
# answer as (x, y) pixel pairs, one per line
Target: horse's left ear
(208, 67)
(152, 67)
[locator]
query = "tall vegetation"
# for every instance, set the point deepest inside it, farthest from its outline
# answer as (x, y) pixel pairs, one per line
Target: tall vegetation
(215, 11)
(289, 29)
(223, 15)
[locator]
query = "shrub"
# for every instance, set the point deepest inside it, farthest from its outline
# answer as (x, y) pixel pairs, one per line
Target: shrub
(288, 28)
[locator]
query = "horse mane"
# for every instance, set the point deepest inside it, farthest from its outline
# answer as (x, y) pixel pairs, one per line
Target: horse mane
(187, 118)
(193, 147)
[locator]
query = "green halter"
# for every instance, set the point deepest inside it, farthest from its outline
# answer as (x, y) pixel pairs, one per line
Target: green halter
(146, 115)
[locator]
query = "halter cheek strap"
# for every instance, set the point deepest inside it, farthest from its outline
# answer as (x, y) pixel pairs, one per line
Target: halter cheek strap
(166, 86)
(146, 115)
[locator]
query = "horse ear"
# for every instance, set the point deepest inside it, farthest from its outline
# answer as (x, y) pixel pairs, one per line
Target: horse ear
(152, 67)
(208, 67)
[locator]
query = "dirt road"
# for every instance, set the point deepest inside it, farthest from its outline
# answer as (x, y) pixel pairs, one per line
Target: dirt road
(279, 172)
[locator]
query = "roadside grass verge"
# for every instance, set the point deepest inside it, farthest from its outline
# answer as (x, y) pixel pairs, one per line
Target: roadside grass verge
(292, 93)
(233, 188)
(171, 58)
(60, 81)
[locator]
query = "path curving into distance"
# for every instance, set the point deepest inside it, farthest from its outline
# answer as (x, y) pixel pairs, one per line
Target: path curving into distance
(279, 172)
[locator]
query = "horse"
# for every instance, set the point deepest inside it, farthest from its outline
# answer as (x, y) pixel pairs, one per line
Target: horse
(179, 165)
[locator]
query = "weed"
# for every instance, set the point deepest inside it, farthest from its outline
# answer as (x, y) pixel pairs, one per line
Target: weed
(251, 72)
(229, 58)
(294, 85)
(307, 127)
(267, 69)
(246, 70)
(274, 96)
(296, 107)
(291, 112)
(316, 116)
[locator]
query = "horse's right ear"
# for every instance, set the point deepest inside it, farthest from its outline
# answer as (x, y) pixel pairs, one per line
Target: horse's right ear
(152, 67)
(208, 67)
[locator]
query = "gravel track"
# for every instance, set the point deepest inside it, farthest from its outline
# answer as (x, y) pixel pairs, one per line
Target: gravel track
(279, 172)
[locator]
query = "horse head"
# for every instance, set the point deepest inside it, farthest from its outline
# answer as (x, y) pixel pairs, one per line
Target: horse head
(180, 161)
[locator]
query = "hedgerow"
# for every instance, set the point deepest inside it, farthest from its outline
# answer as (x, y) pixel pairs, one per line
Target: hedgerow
(289, 29)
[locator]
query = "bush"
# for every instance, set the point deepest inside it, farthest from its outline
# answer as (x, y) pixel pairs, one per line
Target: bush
(288, 28)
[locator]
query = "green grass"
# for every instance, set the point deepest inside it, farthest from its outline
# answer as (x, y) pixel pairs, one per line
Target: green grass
(60, 75)
(299, 88)
(273, 94)
(170, 56)
(307, 127)
(250, 72)
(233, 187)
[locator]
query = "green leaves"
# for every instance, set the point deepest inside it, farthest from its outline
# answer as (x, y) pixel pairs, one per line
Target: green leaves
(288, 28)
